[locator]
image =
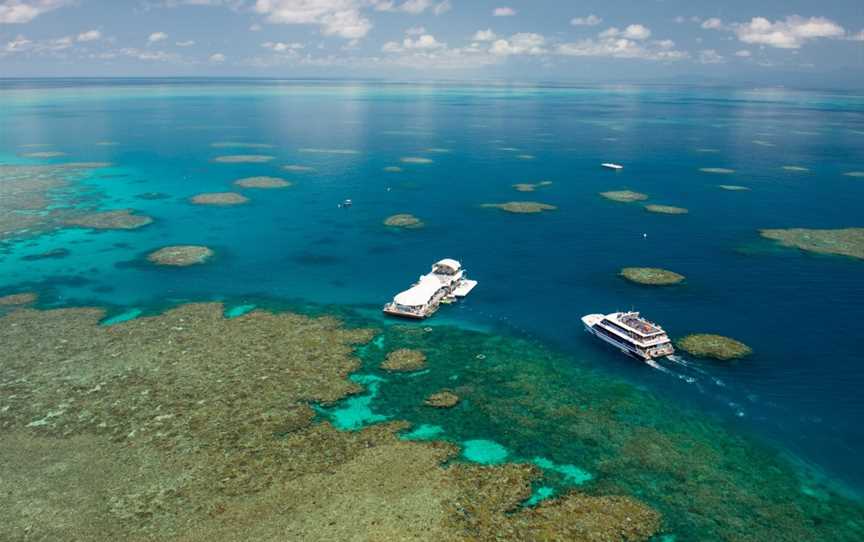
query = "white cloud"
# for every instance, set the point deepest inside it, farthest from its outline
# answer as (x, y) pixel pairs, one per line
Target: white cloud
(632, 32)
(618, 47)
(712, 24)
(710, 56)
(411, 6)
(442, 7)
(524, 43)
(187, 43)
(789, 33)
(591, 20)
(217, 58)
(280, 47)
(857, 37)
(24, 11)
(90, 35)
(484, 35)
(426, 42)
(415, 31)
(17, 45)
(504, 12)
(156, 37)
(335, 17)
(743, 53)
(255, 28)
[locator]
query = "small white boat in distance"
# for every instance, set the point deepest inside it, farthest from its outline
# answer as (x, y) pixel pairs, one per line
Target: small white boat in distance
(630, 333)
(610, 165)
(444, 284)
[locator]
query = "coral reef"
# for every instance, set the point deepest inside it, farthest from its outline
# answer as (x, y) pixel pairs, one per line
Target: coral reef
(856, 174)
(651, 276)
(120, 219)
(180, 255)
(404, 359)
(798, 169)
(298, 168)
(219, 198)
(844, 242)
(705, 345)
(393, 169)
(262, 182)
(733, 187)
(53, 254)
(199, 429)
(11, 300)
(624, 196)
(416, 160)
(719, 170)
(403, 220)
(240, 145)
(42, 154)
(531, 187)
(244, 159)
(521, 207)
(346, 152)
(442, 399)
(666, 209)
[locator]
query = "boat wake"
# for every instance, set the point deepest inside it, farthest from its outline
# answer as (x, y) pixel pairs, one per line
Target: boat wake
(654, 364)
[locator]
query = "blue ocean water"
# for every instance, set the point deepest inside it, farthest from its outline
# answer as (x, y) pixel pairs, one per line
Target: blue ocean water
(538, 273)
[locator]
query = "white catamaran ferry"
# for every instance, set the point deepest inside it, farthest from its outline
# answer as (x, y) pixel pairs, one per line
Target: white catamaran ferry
(444, 284)
(630, 333)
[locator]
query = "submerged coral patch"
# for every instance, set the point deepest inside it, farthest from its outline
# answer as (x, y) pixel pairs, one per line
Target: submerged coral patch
(531, 187)
(120, 219)
(403, 220)
(521, 207)
(404, 359)
(42, 154)
(571, 473)
(624, 196)
(244, 159)
(11, 300)
(219, 198)
(239, 310)
(798, 169)
(844, 242)
(330, 151)
(240, 145)
(706, 345)
(393, 169)
(442, 399)
(181, 255)
(262, 182)
(416, 160)
(298, 168)
(666, 209)
(719, 170)
(857, 174)
(733, 187)
(651, 276)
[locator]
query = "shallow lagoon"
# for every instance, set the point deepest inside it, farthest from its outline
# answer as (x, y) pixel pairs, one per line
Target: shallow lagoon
(298, 245)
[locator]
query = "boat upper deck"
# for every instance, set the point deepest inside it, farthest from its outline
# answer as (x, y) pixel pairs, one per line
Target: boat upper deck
(638, 324)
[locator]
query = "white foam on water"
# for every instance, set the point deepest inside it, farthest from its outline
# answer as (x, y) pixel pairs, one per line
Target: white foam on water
(688, 379)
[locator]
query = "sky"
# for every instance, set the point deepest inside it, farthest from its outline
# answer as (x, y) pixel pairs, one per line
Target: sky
(772, 42)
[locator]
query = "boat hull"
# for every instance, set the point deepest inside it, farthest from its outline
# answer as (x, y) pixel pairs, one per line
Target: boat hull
(624, 348)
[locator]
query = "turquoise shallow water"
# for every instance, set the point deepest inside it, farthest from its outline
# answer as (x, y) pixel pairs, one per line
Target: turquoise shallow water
(537, 273)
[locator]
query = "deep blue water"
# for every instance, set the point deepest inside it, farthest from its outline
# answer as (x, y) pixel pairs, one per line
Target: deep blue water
(801, 313)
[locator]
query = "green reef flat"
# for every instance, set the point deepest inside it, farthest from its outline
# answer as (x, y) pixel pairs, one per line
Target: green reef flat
(651, 276)
(844, 242)
(706, 345)
(205, 422)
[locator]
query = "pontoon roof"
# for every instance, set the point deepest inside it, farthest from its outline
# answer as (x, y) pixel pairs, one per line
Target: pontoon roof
(420, 293)
(451, 263)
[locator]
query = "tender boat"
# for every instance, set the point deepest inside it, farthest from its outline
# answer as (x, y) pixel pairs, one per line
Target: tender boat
(610, 165)
(630, 333)
(444, 284)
